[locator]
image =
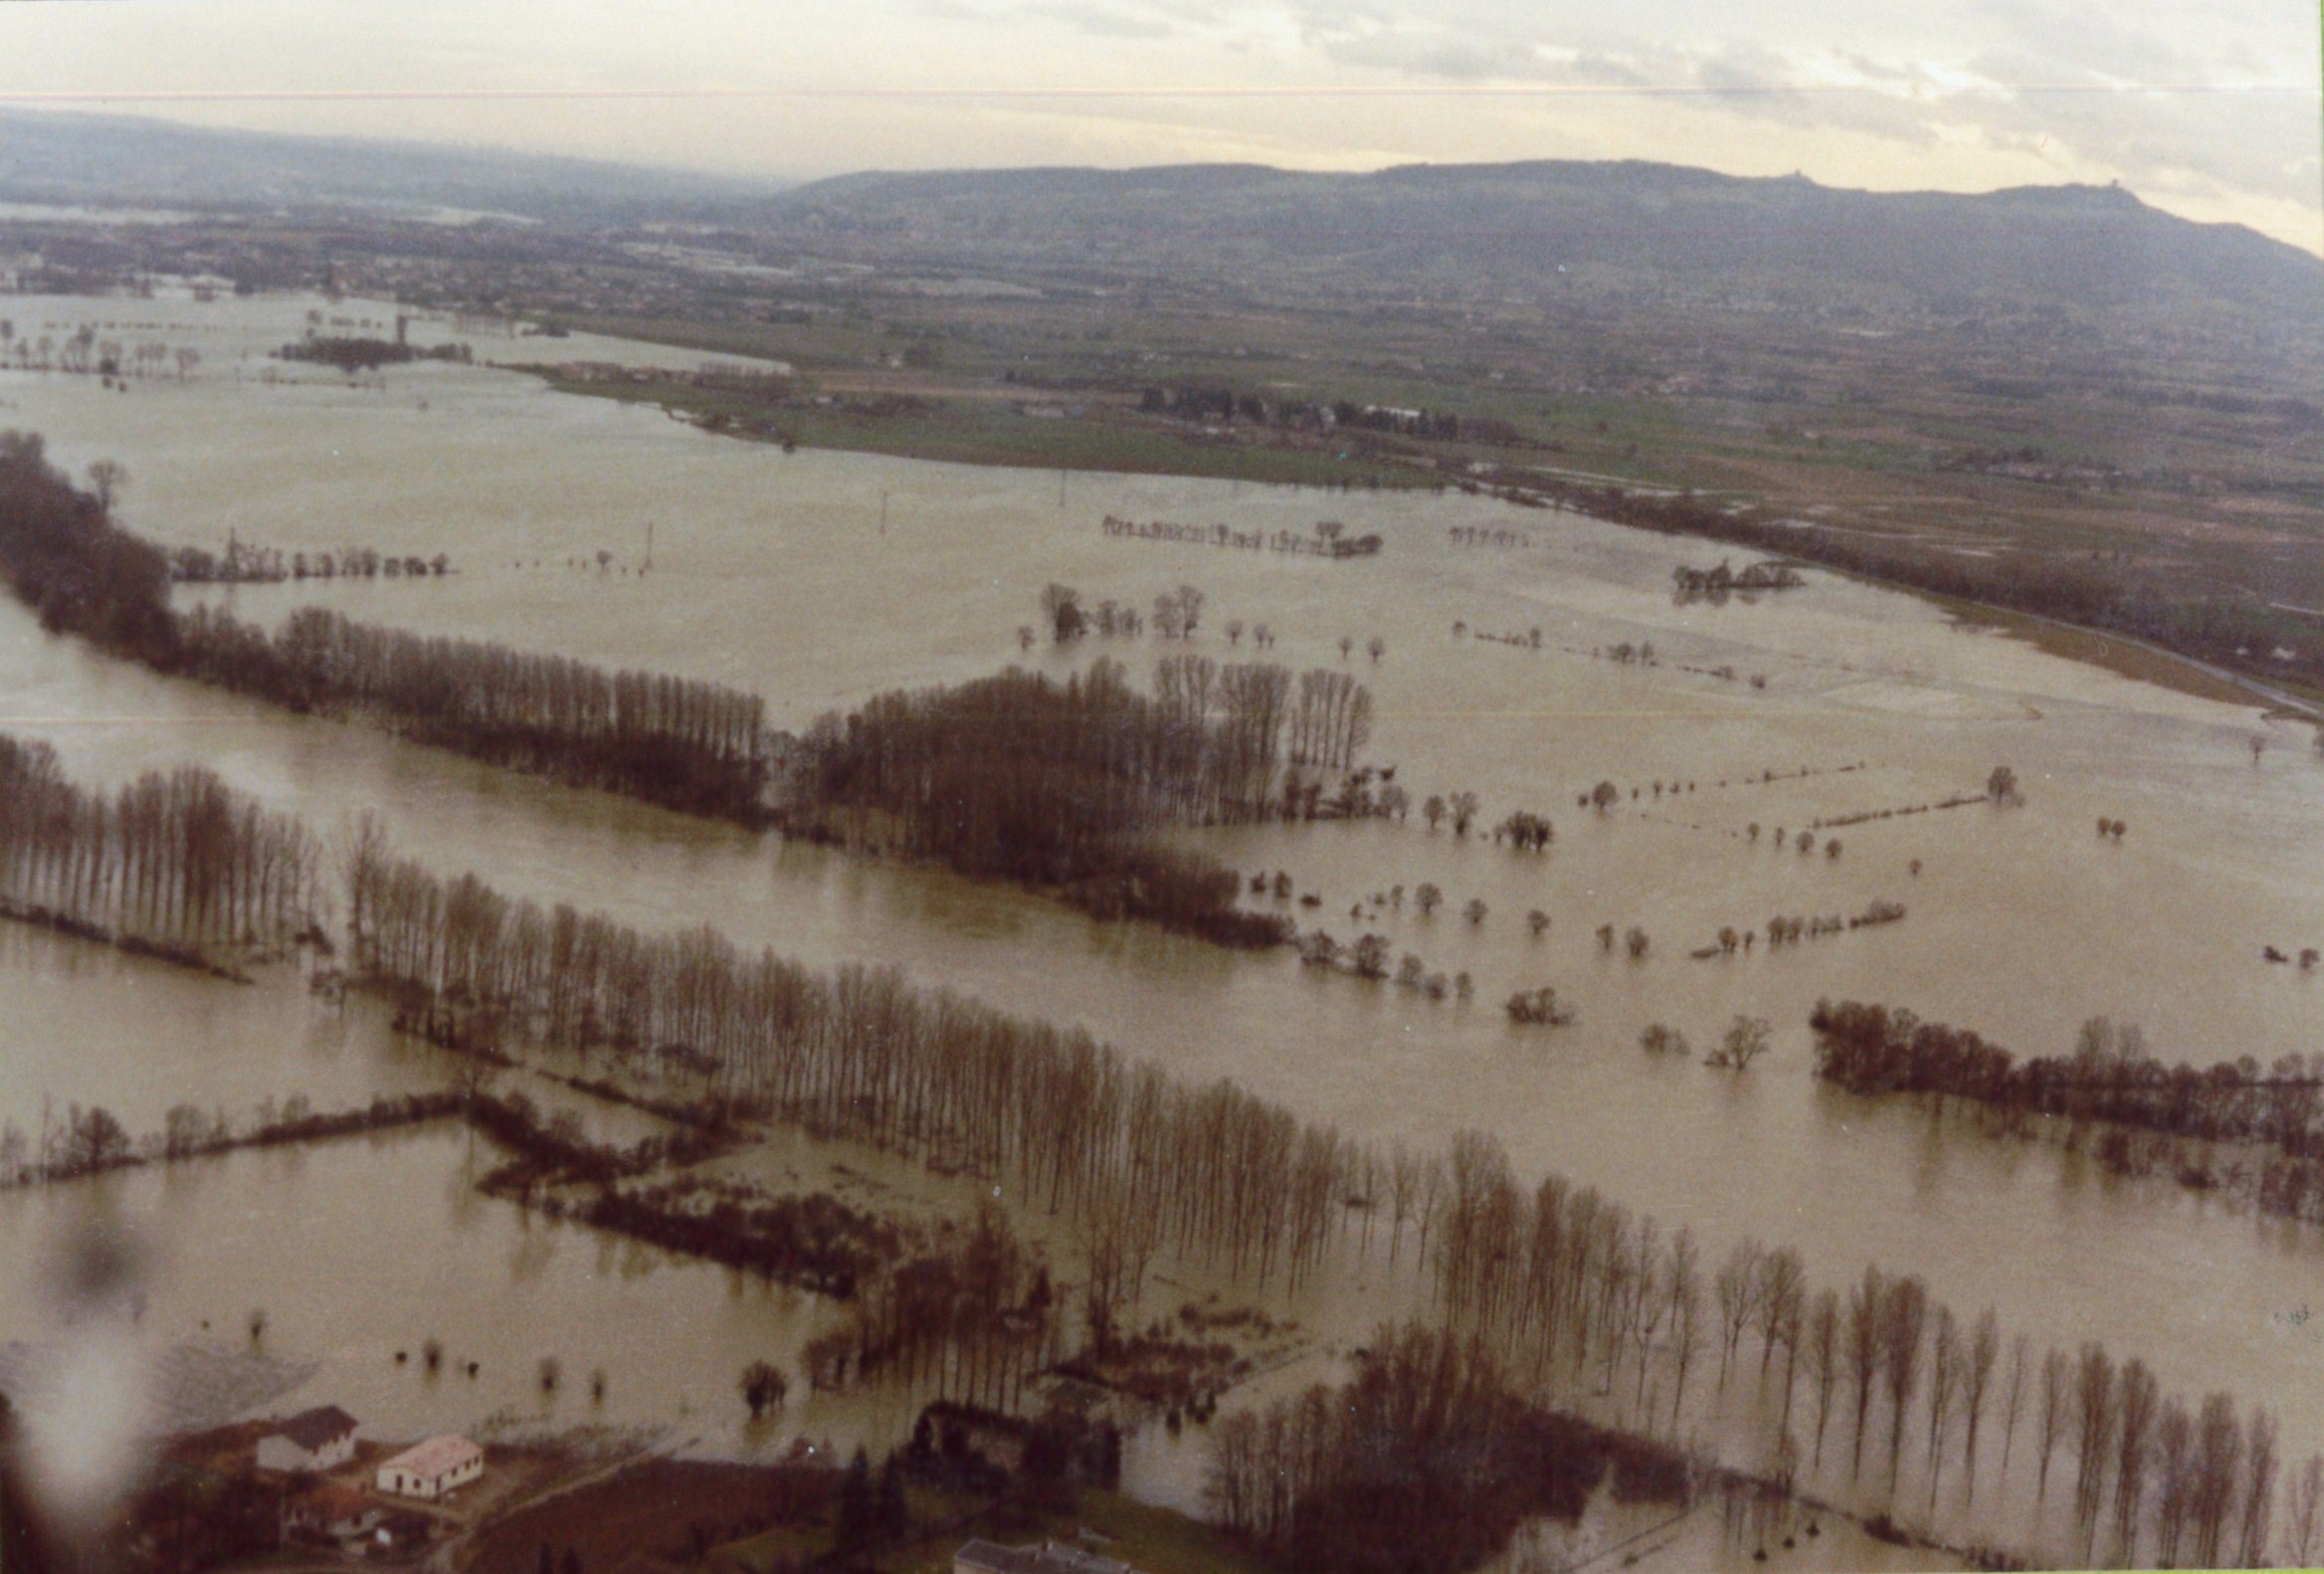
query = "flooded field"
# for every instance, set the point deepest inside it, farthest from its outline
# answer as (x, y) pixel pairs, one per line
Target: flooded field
(167, 1036)
(360, 1248)
(819, 578)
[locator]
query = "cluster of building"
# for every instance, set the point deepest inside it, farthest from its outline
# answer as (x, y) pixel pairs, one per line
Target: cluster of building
(315, 1442)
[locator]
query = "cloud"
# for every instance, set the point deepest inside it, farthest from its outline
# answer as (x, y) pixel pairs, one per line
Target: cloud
(2220, 107)
(2215, 114)
(1109, 18)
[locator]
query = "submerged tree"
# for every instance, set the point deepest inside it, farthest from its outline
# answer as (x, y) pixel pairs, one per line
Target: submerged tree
(1904, 1318)
(1745, 1041)
(763, 1386)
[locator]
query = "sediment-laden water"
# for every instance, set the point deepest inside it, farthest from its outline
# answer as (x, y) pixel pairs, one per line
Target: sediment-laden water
(820, 579)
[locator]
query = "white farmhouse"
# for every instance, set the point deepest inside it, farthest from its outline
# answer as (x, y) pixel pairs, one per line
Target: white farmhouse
(313, 1439)
(432, 1468)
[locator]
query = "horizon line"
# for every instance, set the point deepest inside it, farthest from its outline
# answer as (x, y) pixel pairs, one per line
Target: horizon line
(1480, 90)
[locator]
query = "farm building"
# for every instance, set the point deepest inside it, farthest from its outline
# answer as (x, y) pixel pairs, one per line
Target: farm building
(313, 1439)
(432, 1468)
(331, 1510)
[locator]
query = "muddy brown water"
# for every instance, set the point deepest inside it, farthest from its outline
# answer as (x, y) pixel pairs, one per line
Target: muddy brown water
(774, 571)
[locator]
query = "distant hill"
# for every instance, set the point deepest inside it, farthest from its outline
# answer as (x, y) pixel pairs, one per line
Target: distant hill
(1653, 235)
(120, 160)
(1531, 228)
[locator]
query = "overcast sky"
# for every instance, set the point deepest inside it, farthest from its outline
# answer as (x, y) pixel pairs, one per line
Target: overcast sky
(2207, 108)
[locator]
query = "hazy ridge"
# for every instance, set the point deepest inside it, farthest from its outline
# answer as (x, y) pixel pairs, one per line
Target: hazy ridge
(1515, 233)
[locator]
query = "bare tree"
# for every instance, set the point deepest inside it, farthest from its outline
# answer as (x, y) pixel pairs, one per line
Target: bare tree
(1736, 1287)
(1777, 1306)
(2258, 1489)
(1863, 1349)
(1745, 1041)
(1823, 1360)
(2140, 1404)
(2304, 1512)
(2097, 1412)
(2019, 1348)
(1985, 1348)
(1948, 1360)
(2218, 1448)
(1061, 608)
(107, 477)
(2056, 1379)
(1463, 806)
(1189, 609)
(1904, 1318)
(1685, 1281)
(762, 1385)
(2175, 1483)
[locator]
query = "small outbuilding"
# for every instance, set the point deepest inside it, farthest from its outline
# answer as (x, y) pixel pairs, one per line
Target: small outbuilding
(432, 1468)
(331, 1510)
(313, 1439)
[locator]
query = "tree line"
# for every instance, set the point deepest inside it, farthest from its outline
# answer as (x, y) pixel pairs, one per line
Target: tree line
(2110, 1076)
(92, 1140)
(2110, 1079)
(1560, 1281)
(699, 747)
(1141, 1160)
(352, 354)
(178, 860)
(1574, 1293)
(1212, 742)
(1424, 1461)
(243, 564)
(1564, 1286)
(694, 746)
(1219, 402)
(1062, 783)
(1014, 776)
(1716, 584)
(972, 1317)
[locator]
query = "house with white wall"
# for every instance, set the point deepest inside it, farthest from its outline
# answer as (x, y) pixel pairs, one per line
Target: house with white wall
(432, 1469)
(313, 1439)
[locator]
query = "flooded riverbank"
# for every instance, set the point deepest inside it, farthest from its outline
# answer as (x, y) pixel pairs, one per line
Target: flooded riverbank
(820, 579)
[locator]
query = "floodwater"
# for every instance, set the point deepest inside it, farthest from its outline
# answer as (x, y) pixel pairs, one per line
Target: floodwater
(818, 578)
(167, 1036)
(361, 1248)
